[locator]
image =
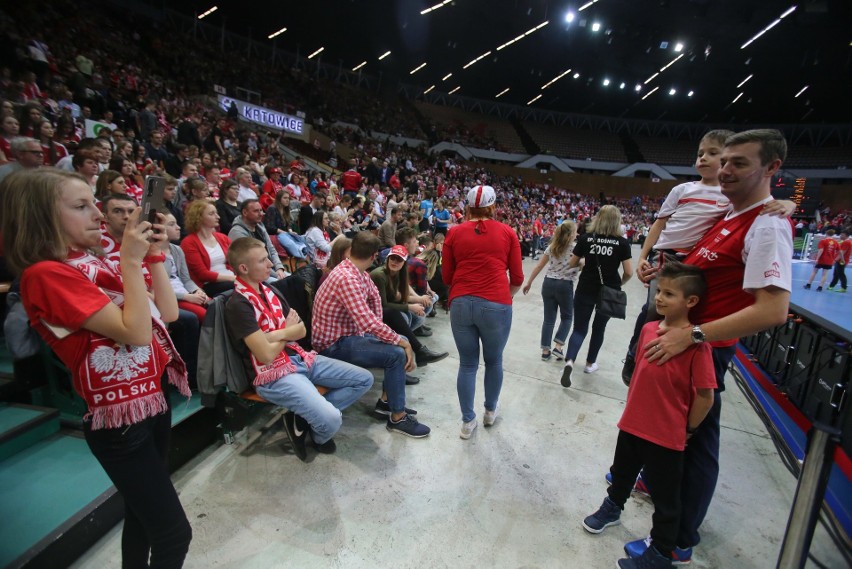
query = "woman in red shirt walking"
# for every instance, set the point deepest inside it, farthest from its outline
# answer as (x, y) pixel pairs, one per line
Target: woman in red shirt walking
(477, 254)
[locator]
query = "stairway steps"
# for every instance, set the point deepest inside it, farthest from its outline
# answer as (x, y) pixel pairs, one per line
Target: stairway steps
(22, 426)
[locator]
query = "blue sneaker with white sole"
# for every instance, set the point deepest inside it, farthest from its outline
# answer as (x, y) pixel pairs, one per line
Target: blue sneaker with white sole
(636, 549)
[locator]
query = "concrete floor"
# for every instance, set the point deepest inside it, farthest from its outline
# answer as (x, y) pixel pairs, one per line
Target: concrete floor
(512, 496)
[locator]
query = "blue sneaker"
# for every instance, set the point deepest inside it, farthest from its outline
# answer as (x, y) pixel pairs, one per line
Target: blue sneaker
(650, 559)
(639, 488)
(409, 427)
(608, 514)
(636, 549)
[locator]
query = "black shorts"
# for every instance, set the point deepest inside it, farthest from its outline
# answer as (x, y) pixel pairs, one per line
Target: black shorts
(824, 266)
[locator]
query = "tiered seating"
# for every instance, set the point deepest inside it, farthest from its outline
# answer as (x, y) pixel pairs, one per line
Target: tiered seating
(810, 157)
(472, 129)
(666, 151)
(575, 143)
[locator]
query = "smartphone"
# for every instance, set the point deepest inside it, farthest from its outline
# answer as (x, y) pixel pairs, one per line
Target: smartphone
(152, 198)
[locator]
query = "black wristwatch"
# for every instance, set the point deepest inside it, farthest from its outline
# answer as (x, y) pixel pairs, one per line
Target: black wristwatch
(697, 335)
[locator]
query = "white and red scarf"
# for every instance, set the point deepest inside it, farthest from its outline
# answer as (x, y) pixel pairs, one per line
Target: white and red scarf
(121, 383)
(270, 317)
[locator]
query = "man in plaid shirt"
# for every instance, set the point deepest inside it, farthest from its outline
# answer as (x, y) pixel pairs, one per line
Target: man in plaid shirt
(347, 325)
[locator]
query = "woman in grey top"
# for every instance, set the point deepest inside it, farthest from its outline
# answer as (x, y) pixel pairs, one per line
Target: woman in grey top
(557, 291)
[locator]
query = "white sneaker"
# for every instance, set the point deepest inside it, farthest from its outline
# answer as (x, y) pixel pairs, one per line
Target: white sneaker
(489, 418)
(591, 369)
(467, 429)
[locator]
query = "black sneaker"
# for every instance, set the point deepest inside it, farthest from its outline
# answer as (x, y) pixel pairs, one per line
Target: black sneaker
(627, 370)
(609, 514)
(411, 380)
(819, 289)
(383, 408)
(409, 427)
(426, 356)
(297, 431)
(808, 286)
(566, 373)
(425, 328)
(421, 333)
(328, 447)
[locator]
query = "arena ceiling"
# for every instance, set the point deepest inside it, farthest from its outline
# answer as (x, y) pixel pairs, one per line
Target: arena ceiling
(685, 60)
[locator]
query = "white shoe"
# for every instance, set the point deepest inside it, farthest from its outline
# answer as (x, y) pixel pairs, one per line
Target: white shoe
(591, 368)
(489, 418)
(467, 429)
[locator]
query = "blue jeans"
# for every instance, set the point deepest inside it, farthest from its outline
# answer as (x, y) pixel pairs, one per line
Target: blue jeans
(476, 320)
(297, 392)
(557, 294)
(294, 245)
(368, 351)
(584, 305)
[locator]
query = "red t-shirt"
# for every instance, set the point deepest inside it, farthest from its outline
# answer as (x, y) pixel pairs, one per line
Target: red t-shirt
(477, 255)
(350, 181)
(660, 397)
(828, 249)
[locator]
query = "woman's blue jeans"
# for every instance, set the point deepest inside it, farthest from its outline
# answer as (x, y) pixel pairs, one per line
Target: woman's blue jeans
(558, 295)
(475, 320)
(294, 245)
(584, 305)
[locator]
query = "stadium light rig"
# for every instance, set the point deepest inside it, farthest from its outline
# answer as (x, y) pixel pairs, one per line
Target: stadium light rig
(384, 55)
(648, 94)
(534, 99)
(777, 21)
(429, 89)
(454, 90)
(208, 12)
(435, 7)
(316, 53)
(359, 66)
(447, 76)
(276, 34)
(555, 79)
(587, 4)
(501, 93)
(805, 88)
(744, 81)
(471, 62)
(418, 68)
(523, 35)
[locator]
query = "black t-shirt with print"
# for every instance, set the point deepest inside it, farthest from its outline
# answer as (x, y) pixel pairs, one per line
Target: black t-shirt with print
(610, 251)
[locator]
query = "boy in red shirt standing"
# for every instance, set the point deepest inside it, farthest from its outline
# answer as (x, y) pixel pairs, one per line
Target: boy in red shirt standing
(845, 246)
(827, 251)
(665, 405)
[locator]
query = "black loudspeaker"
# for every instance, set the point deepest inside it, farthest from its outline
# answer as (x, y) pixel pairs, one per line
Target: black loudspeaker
(795, 385)
(781, 351)
(829, 382)
(750, 343)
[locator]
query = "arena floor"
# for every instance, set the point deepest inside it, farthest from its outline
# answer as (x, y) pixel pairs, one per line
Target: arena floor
(512, 496)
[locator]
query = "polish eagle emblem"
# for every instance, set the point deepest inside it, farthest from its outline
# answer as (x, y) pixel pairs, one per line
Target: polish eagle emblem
(123, 364)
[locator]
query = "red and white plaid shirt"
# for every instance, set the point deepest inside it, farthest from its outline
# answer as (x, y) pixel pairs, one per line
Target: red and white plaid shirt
(348, 304)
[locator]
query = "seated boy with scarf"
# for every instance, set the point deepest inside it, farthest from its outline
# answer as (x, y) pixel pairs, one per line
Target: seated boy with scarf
(264, 329)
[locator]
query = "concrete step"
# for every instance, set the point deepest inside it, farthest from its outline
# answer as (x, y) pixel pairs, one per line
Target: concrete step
(22, 426)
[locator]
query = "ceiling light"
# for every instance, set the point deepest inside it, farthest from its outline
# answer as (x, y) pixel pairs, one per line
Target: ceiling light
(208, 12)
(672, 91)
(276, 34)
(472, 61)
(651, 78)
(416, 69)
(648, 94)
(737, 98)
(670, 63)
(317, 52)
(569, 17)
(501, 93)
(606, 82)
(447, 76)
(679, 47)
(805, 88)
(621, 86)
(429, 89)
(691, 93)
(637, 88)
(664, 45)
(534, 99)
(576, 76)
(769, 27)
(744, 81)
(555, 79)
(384, 55)
(526, 33)
(359, 66)
(587, 4)
(454, 90)
(435, 7)
(596, 26)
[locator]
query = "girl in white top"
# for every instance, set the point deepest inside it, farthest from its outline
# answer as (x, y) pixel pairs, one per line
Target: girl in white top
(557, 291)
